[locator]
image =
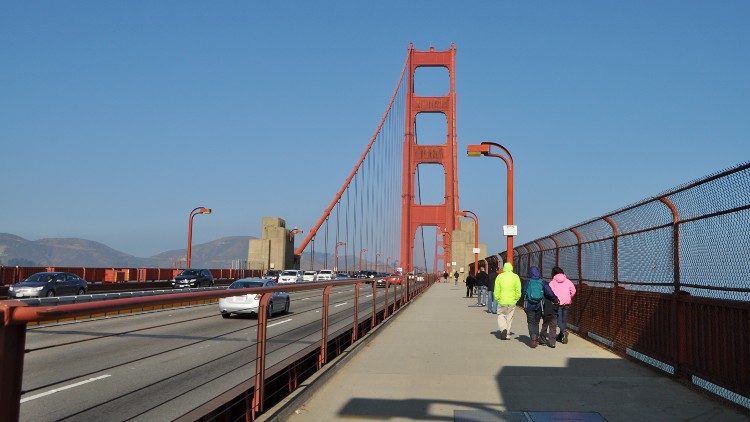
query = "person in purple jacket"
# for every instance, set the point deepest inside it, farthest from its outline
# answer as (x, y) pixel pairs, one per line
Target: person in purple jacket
(564, 289)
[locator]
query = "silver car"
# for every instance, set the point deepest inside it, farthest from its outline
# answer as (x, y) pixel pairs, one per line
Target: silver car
(290, 276)
(248, 304)
(49, 284)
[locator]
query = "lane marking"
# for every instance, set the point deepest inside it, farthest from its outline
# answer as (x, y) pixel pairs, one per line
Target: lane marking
(340, 304)
(279, 323)
(57, 390)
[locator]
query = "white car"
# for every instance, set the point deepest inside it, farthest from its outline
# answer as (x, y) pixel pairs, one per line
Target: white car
(290, 276)
(248, 304)
(326, 275)
(309, 276)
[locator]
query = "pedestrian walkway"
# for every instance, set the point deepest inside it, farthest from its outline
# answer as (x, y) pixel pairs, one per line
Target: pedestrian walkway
(440, 359)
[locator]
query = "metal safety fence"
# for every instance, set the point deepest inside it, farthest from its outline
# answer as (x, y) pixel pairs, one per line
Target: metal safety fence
(665, 281)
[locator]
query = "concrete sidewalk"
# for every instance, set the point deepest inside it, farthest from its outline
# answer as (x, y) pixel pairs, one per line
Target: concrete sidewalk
(439, 359)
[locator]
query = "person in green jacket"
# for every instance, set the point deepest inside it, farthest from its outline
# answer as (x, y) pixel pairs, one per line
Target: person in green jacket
(507, 293)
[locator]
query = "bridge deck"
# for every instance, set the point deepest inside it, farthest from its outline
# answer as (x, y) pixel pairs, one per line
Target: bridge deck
(439, 360)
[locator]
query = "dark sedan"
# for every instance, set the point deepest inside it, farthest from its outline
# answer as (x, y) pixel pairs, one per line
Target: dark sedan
(49, 284)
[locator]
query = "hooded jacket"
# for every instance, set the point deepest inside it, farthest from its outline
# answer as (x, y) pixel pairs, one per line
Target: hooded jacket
(548, 293)
(564, 289)
(507, 286)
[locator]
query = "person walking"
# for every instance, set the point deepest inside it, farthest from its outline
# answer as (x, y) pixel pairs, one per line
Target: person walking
(455, 276)
(470, 282)
(548, 335)
(507, 291)
(445, 276)
(491, 301)
(535, 292)
(565, 290)
(482, 280)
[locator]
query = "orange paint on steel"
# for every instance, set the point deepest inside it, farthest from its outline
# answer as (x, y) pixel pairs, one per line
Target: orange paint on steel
(509, 164)
(322, 357)
(193, 213)
(360, 258)
(414, 215)
(341, 191)
(260, 354)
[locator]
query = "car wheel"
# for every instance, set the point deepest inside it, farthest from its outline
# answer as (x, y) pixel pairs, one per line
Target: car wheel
(225, 315)
(51, 293)
(269, 309)
(286, 306)
(81, 292)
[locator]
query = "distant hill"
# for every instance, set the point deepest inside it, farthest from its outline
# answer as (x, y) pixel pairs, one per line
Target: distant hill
(71, 252)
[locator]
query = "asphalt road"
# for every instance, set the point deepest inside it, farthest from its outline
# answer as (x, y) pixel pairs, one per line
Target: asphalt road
(159, 365)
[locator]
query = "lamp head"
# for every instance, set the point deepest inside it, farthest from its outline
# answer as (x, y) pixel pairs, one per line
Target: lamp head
(475, 150)
(204, 210)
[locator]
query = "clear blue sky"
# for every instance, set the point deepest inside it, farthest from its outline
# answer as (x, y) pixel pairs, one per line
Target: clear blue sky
(119, 117)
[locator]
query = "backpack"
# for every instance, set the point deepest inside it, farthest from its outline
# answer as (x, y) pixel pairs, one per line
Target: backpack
(534, 291)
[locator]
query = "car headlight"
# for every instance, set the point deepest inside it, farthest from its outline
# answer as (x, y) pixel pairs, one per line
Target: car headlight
(10, 289)
(37, 288)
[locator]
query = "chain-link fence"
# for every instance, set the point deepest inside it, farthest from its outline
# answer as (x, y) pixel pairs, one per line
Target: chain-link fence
(665, 281)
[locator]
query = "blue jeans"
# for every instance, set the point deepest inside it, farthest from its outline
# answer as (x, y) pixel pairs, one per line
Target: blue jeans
(491, 303)
(562, 318)
(481, 292)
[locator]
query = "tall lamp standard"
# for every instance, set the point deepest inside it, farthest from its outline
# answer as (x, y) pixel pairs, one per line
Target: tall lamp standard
(293, 232)
(377, 270)
(473, 216)
(336, 256)
(360, 259)
(484, 149)
(193, 213)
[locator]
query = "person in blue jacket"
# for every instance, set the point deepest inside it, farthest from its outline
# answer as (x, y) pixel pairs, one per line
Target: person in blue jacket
(534, 310)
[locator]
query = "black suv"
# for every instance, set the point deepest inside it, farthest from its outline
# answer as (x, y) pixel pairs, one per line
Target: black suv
(193, 278)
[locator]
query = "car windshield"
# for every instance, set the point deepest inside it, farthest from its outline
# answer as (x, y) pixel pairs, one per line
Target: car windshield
(40, 277)
(189, 272)
(289, 273)
(246, 284)
(309, 272)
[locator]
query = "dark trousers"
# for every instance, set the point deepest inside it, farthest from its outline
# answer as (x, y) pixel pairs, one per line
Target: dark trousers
(533, 316)
(549, 330)
(469, 291)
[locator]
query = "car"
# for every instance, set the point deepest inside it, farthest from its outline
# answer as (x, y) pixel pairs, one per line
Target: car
(343, 276)
(380, 278)
(326, 275)
(248, 304)
(48, 284)
(395, 278)
(192, 277)
(290, 276)
(272, 275)
(309, 275)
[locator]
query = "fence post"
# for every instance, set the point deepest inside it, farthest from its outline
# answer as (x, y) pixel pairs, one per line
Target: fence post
(324, 335)
(260, 355)
(12, 346)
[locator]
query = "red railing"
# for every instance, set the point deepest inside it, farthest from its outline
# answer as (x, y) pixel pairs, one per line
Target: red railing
(12, 275)
(16, 315)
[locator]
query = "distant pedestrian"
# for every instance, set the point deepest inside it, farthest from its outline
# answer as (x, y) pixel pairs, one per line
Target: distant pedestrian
(482, 281)
(565, 290)
(471, 281)
(507, 292)
(455, 276)
(535, 293)
(445, 276)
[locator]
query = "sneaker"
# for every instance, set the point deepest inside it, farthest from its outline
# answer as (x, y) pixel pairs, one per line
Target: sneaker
(504, 335)
(564, 338)
(551, 346)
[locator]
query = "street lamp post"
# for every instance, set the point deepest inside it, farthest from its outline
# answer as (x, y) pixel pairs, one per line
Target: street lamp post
(360, 259)
(377, 270)
(484, 149)
(293, 232)
(336, 256)
(473, 216)
(388, 265)
(193, 213)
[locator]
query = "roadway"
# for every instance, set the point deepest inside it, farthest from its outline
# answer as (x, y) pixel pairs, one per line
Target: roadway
(162, 364)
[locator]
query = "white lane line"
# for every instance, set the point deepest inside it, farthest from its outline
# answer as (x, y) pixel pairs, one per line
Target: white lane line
(279, 323)
(340, 304)
(57, 390)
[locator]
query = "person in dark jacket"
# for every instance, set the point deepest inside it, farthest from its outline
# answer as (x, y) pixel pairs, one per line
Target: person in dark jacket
(550, 311)
(470, 282)
(491, 300)
(534, 310)
(482, 281)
